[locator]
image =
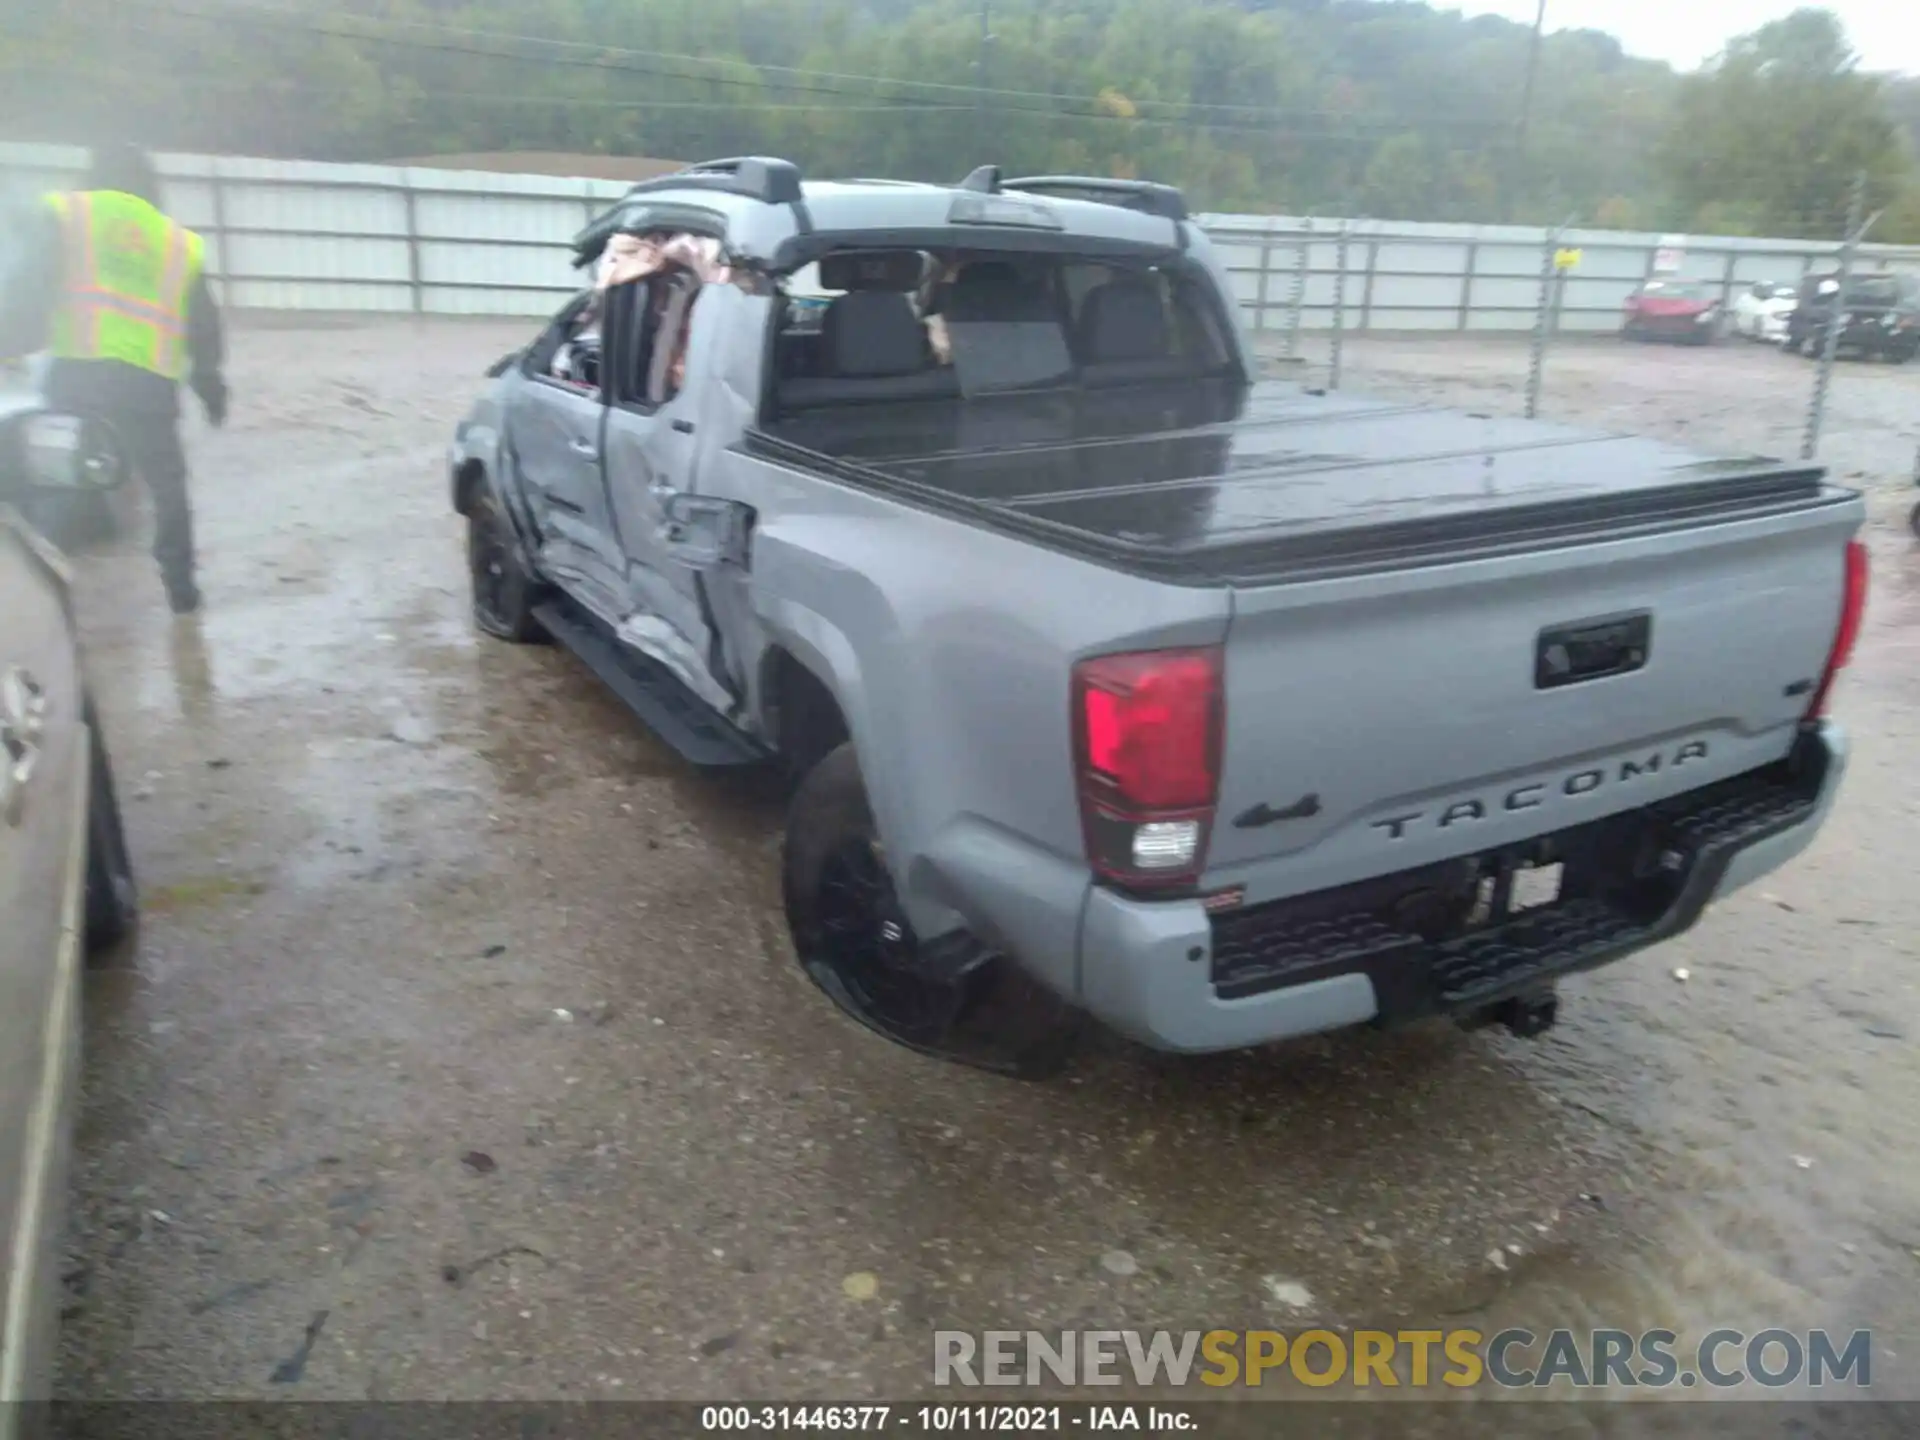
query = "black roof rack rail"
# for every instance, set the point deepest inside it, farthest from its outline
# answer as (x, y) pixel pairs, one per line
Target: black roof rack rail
(758, 177)
(1141, 195)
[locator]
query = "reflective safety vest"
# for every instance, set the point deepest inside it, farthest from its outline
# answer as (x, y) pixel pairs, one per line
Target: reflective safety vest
(128, 271)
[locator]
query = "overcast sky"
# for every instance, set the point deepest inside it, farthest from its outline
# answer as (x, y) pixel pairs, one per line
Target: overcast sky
(1886, 33)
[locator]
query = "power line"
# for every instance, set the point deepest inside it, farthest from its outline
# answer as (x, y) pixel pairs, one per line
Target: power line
(944, 87)
(105, 75)
(602, 58)
(902, 107)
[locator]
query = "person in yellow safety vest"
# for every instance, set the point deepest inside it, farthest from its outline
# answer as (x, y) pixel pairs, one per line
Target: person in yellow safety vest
(116, 292)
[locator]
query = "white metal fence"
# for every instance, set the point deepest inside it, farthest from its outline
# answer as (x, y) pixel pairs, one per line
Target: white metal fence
(1401, 276)
(295, 235)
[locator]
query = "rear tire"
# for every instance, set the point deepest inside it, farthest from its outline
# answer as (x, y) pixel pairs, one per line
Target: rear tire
(113, 897)
(504, 595)
(1913, 521)
(74, 520)
(855, 942)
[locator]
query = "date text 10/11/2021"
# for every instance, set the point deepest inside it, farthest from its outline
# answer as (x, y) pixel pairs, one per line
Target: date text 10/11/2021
(946, 1419)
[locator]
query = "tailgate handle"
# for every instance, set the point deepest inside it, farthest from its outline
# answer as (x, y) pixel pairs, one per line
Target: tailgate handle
(1591, 649)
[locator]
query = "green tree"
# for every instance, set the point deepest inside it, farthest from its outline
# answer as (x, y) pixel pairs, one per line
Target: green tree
(1327, 106)
(1771, 136)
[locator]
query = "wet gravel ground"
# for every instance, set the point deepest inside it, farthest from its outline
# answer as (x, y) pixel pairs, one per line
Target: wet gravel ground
(463, 1055)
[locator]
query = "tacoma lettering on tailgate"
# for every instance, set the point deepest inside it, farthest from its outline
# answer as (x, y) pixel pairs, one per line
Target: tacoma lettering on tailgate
(1536, 793)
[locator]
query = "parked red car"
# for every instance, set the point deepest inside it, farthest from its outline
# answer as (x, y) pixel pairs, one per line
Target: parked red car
(1666, 309)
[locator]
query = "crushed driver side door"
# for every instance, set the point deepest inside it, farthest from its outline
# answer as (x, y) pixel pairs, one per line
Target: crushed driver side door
(654, 430)
(554, 429)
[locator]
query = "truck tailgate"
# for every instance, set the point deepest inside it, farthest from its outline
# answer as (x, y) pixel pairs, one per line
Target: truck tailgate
(1383, 722)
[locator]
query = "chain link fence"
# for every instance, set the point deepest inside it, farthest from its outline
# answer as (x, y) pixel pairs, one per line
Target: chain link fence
(1503, 320)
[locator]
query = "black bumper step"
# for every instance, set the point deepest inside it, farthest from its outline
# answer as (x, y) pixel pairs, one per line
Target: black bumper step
(660, 698)
(1630, 881)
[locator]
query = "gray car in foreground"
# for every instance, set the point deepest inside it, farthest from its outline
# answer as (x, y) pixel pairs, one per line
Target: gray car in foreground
(66, 885)
(1113, 679)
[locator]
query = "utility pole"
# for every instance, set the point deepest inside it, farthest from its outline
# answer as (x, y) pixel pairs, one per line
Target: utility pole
(1526, 91)
(1519, 168)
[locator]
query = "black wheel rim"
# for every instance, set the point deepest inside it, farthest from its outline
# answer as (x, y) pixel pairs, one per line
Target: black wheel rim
(864, 944)
(488, 561)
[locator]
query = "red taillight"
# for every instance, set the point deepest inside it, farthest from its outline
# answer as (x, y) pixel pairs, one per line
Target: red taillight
(1147, 732)
(1853, 607)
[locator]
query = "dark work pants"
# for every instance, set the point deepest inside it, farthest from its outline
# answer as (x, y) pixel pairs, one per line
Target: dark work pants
(153, 447)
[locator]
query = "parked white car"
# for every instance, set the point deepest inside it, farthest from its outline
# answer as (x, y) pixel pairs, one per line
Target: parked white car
(1760, 310)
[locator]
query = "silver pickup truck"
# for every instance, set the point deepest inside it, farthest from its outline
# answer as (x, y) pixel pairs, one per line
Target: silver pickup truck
(1114, 679)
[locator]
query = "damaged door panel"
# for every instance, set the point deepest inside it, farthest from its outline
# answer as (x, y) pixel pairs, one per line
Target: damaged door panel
(651, 453)
(554, 432)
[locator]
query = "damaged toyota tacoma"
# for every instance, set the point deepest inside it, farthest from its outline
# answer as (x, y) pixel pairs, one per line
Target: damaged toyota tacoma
(1114, 679)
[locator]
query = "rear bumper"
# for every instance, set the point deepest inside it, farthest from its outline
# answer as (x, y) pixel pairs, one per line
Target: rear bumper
(1174, 978)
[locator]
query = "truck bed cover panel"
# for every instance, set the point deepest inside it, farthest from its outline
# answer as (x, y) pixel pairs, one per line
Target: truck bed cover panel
(1209, 482)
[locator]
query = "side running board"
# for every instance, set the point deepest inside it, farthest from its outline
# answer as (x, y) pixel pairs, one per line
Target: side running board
(661, 700)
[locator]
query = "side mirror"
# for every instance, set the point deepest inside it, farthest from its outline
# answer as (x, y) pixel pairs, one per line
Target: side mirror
(67, 452)
(505, 363)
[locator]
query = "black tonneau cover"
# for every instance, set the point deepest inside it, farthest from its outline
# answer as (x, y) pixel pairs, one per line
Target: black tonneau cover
(1214, 482)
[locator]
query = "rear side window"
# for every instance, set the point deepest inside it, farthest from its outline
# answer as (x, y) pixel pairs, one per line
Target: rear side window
(1112, 309)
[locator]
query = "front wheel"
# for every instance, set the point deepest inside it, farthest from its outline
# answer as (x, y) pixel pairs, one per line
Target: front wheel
(113, 898)
(1913, 521)
(503, 593)
(956, 1000)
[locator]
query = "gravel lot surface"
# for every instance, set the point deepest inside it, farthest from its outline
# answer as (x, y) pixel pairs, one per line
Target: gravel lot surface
(463, 1014)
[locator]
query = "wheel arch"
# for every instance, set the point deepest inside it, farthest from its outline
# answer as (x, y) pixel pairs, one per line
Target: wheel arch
(805, 718)
(469, 475)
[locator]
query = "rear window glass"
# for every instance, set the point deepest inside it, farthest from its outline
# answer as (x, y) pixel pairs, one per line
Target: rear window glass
(984, 321)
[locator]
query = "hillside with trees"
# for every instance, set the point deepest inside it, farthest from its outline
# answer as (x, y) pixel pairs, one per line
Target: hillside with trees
(1375, 107)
